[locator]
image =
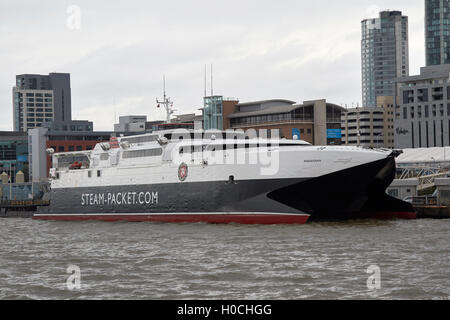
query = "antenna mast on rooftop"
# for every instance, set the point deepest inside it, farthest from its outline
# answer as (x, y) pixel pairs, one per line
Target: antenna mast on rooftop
(212, 86)
(168, 105)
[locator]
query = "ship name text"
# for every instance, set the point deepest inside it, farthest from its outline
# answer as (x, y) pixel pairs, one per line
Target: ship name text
(119, 198)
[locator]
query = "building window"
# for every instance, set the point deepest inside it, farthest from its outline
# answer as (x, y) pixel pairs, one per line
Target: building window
(61, 149)
(434, 133)
(79, 148)
(71, 148)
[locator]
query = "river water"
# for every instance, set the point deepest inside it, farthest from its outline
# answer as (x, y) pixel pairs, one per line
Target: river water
(200, 261)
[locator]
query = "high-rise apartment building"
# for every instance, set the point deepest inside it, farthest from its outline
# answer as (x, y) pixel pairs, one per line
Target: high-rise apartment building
(384, 55)
(40, 98)
(437, 32)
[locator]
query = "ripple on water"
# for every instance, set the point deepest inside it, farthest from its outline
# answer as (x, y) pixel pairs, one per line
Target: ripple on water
(200, 261)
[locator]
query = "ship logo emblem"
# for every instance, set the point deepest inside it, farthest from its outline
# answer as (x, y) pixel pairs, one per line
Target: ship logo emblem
(182, 172)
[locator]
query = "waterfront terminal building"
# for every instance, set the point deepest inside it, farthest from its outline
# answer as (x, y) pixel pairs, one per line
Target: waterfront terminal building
(317, 122)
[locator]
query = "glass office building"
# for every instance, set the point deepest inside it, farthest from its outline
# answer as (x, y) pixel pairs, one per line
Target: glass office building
(384, 55)
(437, 31)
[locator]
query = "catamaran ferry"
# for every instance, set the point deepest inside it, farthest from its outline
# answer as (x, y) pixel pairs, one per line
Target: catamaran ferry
(154, 177)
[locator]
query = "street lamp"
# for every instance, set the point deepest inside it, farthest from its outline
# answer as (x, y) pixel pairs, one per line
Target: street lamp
(378, 135)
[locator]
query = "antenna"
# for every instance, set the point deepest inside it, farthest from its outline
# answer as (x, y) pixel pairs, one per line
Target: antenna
(212, 86)
(205, 82)
(115, 110)
(168, 105)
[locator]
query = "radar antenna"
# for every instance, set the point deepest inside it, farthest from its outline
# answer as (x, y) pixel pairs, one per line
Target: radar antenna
(168, 105)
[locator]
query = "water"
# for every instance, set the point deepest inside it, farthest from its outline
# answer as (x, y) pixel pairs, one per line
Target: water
(200, 261)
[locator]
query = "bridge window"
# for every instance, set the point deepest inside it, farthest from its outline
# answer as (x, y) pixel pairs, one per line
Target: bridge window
(142, 153)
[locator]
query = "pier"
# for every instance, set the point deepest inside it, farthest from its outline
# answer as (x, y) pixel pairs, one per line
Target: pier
(432, 212)
(20, 208)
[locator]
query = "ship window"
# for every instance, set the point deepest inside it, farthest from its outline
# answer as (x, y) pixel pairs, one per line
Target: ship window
(142, 153)
(104, 156)
(57, 175)
(99, 173)
(89, 174)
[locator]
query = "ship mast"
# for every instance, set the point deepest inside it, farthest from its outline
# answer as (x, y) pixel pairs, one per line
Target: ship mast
(168, 105)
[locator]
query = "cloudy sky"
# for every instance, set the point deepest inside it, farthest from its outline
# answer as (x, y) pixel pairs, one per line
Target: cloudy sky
(118, 51)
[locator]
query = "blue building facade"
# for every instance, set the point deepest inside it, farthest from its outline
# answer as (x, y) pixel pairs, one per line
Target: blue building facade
(14, 153)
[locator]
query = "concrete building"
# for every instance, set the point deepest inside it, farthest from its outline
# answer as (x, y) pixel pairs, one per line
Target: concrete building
(364, 127)
(41, 98)
(70, 126)
(403, 188)
(384, 55)
(422, 110)
(443, 191)
(437, 32)
(317, 122)
(187, 118)
(387, 104)
(131, 124)
(13, 153)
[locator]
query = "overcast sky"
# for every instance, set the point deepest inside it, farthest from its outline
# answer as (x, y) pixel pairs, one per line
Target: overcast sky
(119, 51)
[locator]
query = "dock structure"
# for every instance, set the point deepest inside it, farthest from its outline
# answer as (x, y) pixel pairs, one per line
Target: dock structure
(432, 212)
(20, 208)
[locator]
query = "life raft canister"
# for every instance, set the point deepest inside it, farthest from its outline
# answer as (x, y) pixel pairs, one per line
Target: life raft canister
(76, 165)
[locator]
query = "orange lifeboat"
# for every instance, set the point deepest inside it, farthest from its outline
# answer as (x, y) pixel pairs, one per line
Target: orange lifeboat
(75, 165)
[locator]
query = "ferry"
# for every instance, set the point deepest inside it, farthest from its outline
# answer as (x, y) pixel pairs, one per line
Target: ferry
(209, 178)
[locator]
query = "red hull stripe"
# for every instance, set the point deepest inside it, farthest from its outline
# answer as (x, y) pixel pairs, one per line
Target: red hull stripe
(267, 219)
